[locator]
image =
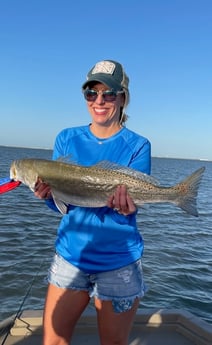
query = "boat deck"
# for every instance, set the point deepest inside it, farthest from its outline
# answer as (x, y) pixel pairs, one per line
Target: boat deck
(153, 327)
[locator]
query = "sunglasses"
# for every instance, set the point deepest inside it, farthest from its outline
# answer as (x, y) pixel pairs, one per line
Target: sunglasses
(108, 95)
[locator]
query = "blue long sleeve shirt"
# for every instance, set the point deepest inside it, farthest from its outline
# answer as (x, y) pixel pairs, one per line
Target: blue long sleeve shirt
(100, 239)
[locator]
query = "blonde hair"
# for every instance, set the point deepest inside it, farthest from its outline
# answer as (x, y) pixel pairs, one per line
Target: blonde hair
(123, 116)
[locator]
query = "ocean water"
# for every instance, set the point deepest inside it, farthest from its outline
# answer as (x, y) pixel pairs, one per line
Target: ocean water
(177, 259)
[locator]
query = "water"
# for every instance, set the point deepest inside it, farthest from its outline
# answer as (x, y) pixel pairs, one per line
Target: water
(177, 259)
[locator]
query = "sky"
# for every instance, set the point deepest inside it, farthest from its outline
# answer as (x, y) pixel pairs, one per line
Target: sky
(48, 46)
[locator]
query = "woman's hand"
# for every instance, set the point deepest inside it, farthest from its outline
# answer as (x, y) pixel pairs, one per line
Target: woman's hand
(121, 202)
(42, 190)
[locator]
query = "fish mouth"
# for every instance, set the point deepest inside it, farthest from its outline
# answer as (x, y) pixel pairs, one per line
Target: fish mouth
(13, 173)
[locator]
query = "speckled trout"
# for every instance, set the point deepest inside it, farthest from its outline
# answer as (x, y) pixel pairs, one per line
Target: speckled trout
(91, 186)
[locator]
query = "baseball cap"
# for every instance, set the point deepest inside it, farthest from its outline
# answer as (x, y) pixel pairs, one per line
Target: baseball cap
(110, 73)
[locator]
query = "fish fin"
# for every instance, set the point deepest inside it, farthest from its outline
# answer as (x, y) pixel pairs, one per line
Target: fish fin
(67, 159)
(126, 170)
(188, 202)
(62, 206)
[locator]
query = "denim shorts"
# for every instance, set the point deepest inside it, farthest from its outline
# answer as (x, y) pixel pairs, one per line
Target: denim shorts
(121, 286)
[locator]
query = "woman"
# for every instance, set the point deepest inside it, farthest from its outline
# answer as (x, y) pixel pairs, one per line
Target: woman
(98, 250)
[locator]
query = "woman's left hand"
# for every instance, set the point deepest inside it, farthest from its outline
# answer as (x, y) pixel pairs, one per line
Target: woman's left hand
(42, 190)
(121, 202)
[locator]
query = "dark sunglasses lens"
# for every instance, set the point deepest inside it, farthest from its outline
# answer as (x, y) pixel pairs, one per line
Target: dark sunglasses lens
(109, 96)
(90, 95)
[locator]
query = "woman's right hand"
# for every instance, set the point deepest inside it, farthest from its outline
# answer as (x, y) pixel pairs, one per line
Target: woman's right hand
(42, 190)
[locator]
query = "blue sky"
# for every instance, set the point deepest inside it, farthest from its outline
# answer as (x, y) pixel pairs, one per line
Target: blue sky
(47, 48)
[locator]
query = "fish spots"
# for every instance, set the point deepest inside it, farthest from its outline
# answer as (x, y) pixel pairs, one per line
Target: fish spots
(184, 188)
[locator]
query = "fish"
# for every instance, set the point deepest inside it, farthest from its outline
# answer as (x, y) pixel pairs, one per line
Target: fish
(90, 186)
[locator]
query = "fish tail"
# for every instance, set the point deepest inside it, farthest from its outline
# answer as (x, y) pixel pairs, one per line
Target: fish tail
(188, 192)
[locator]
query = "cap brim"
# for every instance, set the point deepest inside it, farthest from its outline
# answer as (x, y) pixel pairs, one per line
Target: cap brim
(104, 80)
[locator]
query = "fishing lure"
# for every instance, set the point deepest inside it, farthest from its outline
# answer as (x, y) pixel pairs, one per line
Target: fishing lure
(6, 184)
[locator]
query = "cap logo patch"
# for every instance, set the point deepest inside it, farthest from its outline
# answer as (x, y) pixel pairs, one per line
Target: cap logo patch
(106, 67)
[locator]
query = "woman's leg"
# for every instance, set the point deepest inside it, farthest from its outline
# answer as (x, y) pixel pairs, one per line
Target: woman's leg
(114, 328)
(62, 310)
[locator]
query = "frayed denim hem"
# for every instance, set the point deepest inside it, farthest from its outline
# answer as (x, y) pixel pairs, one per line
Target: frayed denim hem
(120, 304)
